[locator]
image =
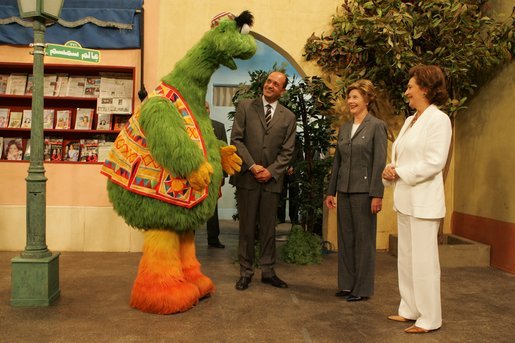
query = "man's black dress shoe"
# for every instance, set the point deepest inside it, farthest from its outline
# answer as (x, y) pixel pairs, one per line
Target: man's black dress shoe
(342, 293)
(274, 281)
(216, 245)
(243, 283)
(356, 298)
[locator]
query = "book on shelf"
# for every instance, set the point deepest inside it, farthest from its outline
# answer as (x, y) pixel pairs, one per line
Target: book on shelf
(53, 149)
(119, 121)
(75, 86)
(16, 84)
(63, 119)
(83, 118)
(30, 85)
(104, 147)
(61, 85)
(4, 117)
(48, 118)
(104, 122)
(88, 150)
(26, 154)
(92, 86)
(15, 119)
(50, 82)
(27, 119)
(1, 147)
(3, 83)
(13, 149)
(71, 150)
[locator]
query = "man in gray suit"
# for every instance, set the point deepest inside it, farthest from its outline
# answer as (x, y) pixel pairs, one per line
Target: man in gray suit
(264, 134)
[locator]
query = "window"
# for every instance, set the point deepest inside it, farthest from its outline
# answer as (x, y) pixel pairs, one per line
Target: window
(222, 95)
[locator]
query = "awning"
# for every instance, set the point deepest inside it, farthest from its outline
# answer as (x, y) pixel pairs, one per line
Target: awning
(99, 24)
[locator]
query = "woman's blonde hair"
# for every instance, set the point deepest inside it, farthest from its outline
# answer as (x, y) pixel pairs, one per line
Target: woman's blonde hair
(368, 91)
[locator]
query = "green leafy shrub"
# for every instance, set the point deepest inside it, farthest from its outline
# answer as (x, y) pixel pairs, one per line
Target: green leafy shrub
(302, 247)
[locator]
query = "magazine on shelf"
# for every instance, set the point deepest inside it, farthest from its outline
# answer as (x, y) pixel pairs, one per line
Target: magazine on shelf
(116, 85)
(92, 86)
(4, 117)
(63, 119)
(104, 147)
(83, 118)
(88, 150)
(114, 105)
(48, 118)
(104, 122)
(61, 85)
(26, 154)
(30, 85)
(75, 86)
(50, 82)
(15, 119)
(16, 84)
(27, 119)
(53, 149)
(13, 149)
(119, 121)
(71, 150)
(115, 93)
(3, 83)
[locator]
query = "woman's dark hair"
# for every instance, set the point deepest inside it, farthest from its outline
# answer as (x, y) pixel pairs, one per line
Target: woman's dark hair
(431, 77)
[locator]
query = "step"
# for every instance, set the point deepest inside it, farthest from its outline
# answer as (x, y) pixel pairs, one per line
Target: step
(455, 252)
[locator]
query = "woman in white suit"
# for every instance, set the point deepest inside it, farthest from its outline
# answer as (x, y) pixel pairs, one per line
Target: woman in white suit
(419, 155)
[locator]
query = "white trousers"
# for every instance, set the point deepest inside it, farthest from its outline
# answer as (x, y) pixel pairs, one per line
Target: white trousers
(419, 271)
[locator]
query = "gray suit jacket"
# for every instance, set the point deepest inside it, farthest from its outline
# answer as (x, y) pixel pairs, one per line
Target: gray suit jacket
(219, 129)
(270, 147)
(359, 160)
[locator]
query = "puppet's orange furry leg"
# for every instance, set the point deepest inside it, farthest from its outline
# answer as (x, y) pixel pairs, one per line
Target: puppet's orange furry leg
(191, 266)
(160, 286)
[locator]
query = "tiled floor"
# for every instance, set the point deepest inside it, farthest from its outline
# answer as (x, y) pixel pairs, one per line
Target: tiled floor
(478, 304)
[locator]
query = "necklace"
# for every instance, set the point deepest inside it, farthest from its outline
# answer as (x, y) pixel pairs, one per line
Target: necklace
(414, 120)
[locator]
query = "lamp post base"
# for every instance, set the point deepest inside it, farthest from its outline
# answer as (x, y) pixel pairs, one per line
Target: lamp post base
(34, 281)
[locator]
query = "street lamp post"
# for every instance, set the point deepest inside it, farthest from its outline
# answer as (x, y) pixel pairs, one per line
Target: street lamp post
(35, 273)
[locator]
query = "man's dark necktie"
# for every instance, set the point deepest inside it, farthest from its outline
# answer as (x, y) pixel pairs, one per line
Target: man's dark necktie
(268, 114)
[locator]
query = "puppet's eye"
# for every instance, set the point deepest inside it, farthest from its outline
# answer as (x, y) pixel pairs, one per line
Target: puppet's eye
(245, 29)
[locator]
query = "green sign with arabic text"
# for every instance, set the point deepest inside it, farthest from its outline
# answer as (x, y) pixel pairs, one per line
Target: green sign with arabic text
(72, 51)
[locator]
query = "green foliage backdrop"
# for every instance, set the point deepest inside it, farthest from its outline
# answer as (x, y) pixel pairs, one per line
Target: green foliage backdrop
(381, 40)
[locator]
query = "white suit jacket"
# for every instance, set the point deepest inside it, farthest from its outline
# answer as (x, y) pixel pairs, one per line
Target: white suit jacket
(419, 155)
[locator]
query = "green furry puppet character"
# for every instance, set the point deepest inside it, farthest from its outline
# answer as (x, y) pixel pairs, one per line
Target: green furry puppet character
(165, 169)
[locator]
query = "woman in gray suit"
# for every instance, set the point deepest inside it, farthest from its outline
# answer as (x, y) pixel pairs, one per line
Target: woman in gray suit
(419, 155)
(356, 175)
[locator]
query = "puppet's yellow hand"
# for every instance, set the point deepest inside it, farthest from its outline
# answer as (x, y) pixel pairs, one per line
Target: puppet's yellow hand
(200, 178)
(231, 163)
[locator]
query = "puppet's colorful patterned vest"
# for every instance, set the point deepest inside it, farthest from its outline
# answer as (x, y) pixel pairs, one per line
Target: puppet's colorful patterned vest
(130, 163)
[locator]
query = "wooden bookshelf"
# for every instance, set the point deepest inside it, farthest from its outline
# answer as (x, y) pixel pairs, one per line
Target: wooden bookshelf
(18, 103)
